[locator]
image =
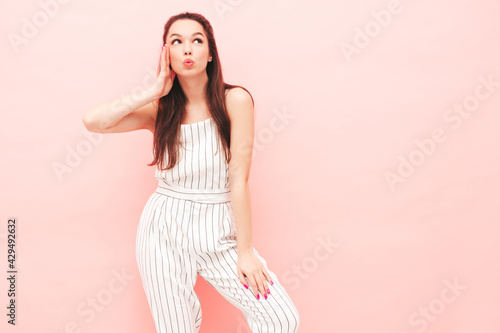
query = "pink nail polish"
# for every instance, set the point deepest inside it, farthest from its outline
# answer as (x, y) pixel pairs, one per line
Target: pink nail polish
(258, 296)
(265, 296)
(268, 291)
(246, 286)
(272, 282)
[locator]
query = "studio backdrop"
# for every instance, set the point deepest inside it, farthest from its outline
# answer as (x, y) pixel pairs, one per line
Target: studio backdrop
(374, 180)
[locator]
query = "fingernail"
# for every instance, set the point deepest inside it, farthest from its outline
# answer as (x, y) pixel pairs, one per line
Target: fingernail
(246, 286)
(268, 291)
(258, 296)
(272, 282)
(265, 296)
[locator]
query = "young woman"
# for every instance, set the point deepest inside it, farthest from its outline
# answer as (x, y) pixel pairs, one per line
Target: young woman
(198, 221)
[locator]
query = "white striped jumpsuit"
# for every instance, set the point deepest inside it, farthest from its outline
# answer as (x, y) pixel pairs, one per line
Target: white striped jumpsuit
(187, 228)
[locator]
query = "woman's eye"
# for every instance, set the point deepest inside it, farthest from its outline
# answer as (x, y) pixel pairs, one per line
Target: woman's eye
(173, 42)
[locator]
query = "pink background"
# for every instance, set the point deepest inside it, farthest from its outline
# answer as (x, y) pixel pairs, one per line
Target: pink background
(357, 251)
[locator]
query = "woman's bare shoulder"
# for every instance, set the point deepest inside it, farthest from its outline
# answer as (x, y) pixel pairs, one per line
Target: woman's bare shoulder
(238, 95)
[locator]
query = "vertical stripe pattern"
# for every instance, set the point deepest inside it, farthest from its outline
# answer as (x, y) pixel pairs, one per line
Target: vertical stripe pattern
(201, 164)
(187, 229)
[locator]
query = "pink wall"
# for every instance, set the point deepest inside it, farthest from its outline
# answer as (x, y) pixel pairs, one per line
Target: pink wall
(376, 199)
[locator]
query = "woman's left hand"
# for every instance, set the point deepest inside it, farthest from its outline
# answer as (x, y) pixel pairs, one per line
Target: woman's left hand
(253, 269)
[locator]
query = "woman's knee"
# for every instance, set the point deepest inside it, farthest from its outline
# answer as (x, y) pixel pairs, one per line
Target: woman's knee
(290, 322)
(294, 318)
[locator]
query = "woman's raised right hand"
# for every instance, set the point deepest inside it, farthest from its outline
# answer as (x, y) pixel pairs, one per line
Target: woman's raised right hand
(165, 78)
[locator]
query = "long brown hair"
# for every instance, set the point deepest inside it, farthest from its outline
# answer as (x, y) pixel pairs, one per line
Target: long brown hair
(172, 107)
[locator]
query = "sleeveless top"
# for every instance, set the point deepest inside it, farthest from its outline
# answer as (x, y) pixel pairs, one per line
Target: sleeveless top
(201, 163)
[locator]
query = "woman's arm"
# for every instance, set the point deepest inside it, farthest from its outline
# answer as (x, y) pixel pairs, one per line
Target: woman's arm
(241, 112)
(133, 111)
(123, 114)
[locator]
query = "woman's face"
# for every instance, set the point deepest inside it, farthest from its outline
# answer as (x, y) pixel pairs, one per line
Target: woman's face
(187, 40)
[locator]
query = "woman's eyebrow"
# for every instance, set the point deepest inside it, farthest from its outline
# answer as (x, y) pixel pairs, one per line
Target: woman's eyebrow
(196, 33)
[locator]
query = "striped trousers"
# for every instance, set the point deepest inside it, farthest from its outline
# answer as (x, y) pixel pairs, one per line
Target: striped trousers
(183, 233)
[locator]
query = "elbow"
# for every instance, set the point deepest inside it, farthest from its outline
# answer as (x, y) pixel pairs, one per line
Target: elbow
(90, 123)
(87, 122)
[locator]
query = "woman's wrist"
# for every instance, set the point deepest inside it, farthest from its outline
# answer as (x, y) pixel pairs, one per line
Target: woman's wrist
(244, 249)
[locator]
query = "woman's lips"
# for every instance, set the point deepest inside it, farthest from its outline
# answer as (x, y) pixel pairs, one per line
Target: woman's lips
(188, 63)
